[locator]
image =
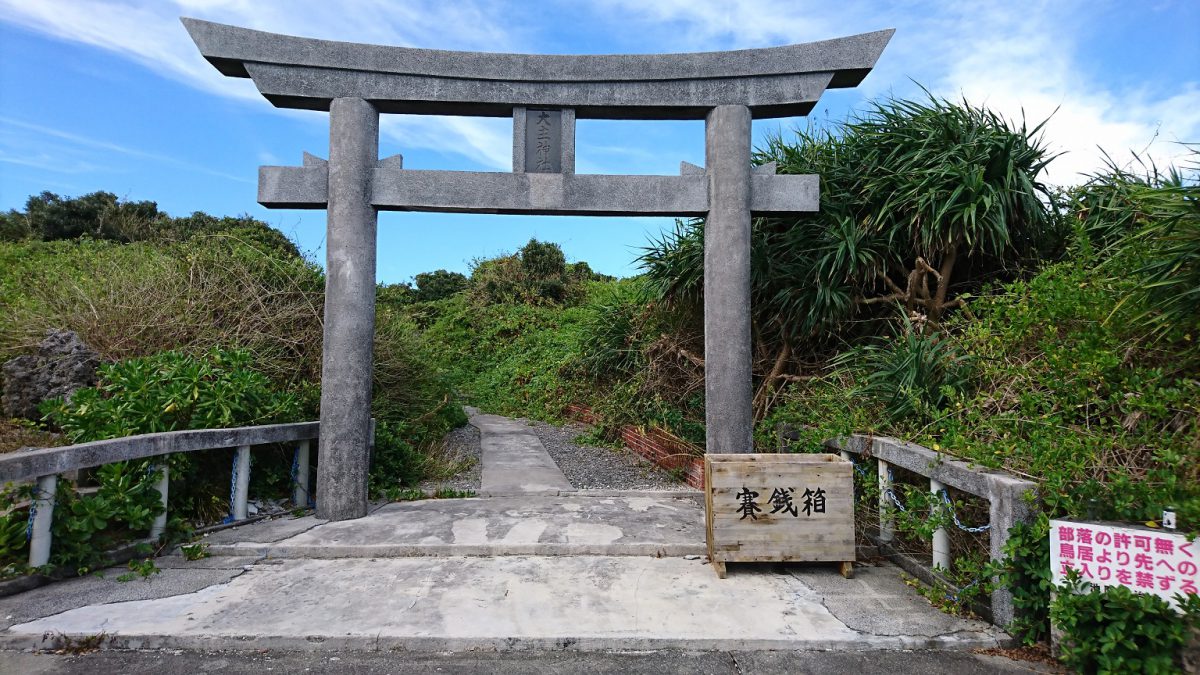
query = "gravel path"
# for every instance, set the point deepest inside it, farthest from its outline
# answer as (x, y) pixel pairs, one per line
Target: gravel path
(593, 468)
(462, 443)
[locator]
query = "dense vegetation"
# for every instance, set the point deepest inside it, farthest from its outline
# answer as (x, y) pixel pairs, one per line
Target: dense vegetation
(202, 322)
(943, 295)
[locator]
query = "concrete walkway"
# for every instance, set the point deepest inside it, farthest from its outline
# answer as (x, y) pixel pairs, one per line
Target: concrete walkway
(514, 460)
(568, 570)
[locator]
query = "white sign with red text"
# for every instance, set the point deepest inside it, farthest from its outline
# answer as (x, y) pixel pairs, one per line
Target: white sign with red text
(1140, 559)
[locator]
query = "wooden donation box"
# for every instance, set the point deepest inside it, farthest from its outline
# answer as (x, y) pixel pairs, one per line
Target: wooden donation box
(779, 507)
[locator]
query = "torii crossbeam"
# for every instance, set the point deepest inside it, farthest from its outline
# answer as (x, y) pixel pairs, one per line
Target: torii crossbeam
(544, 94)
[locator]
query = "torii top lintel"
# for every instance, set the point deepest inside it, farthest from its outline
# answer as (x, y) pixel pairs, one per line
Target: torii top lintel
(295, 72)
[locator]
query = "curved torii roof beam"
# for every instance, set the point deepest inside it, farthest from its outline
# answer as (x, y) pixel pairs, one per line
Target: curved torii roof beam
(295, 72)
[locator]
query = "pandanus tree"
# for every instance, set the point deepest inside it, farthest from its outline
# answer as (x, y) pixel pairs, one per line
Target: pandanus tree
(918, 200)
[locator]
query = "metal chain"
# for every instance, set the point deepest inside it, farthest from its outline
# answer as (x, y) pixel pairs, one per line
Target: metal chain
(32, 515)
(891, 494)
(954, 514)
(296, 481)
(295, 469)
(233, 475)
(35, 494)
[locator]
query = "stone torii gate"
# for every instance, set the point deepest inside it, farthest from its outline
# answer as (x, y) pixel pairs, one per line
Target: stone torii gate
(544, 95)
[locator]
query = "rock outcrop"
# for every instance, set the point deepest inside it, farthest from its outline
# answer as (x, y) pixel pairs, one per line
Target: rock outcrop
(62, 365)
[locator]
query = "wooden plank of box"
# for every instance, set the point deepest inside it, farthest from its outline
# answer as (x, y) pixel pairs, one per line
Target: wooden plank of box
(779, 508)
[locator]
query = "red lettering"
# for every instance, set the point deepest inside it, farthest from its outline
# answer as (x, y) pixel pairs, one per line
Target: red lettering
(1164, 546)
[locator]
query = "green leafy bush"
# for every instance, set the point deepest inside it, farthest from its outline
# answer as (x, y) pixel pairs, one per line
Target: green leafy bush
(1115, 630)
(173, 391)
(397, 462)
(507, 358)
(87, 527)
(537, 274)
(14, 523)
(438, 285)
(913, 375)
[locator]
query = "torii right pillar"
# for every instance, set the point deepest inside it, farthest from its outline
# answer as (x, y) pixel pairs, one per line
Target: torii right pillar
(728, 386)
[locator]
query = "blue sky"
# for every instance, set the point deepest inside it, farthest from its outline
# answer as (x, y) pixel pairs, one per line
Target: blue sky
(112, 95)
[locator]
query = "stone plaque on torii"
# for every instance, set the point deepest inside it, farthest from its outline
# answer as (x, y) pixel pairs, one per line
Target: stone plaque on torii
(544, 95)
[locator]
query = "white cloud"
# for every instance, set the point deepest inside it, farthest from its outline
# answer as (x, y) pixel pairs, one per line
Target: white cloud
(487, 141)
(706, 25)
(1020, 57)
(51, 149)
(1022, 63)
(149, 32)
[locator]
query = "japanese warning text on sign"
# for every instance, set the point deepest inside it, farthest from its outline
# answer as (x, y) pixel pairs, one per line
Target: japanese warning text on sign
(1140, 559)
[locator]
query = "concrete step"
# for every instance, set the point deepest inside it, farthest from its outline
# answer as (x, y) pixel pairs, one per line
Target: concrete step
(456, 603)
(652, 524)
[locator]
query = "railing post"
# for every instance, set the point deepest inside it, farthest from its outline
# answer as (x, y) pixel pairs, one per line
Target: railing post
(1007, 507)
(300, 489)
(43, 516)
(241, 489)
(886, 521)
(160, 522)
(941, 537)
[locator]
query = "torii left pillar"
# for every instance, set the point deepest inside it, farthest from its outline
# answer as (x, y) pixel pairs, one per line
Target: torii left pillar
(347, 360)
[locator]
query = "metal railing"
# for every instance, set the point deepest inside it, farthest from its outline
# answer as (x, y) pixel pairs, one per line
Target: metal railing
(1011, 499)
(42, 467)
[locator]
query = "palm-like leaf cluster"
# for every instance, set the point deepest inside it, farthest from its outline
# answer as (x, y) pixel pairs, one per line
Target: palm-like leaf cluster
(1144, 224)
(908, 187)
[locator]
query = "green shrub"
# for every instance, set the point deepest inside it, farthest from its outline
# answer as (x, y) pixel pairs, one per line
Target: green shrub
(173, 391)
(438, 285)
(14, 523)
(87, 527)
(1115, 630)
(506, 358)
(611, 330)
(136, 300)
(537, 274)
(913, 375)
(397, 462)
